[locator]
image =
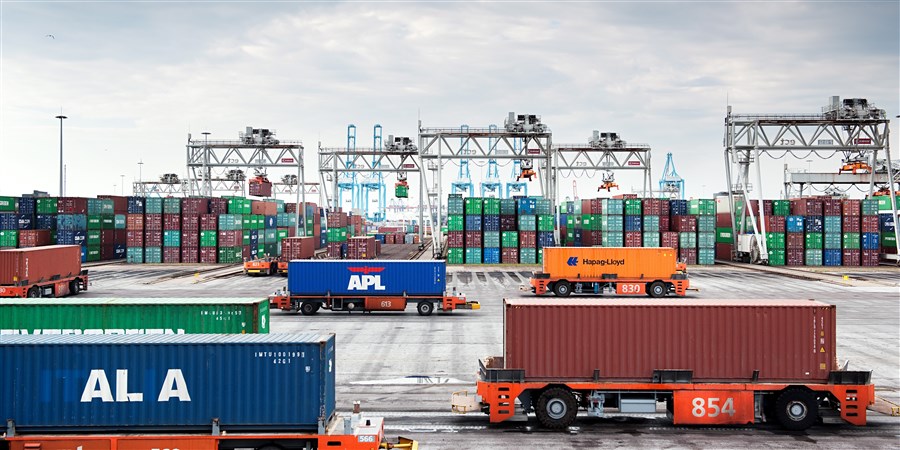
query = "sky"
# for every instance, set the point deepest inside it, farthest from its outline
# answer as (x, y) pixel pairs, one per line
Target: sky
(134, 78)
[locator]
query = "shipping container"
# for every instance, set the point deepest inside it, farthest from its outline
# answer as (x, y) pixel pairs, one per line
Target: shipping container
(727, 340)
(134, 316)
(176, 383)
(39, 264)
(366, 277)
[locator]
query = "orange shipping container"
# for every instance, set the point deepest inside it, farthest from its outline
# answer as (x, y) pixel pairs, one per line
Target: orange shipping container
(573, 263)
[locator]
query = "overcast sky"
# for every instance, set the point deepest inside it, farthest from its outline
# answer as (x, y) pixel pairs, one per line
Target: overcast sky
(135, 78)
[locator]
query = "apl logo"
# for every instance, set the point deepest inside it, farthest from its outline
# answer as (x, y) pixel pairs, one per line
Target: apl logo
(573, 261)
(365, 281)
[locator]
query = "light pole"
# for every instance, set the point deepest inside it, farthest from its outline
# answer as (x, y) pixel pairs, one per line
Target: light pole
(123, 184)
(140, 177)
(62, 193)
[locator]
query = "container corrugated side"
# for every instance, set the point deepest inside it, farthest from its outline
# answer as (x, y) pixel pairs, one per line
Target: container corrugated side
(593, 262)
(134, 316)
(171, 383)
(366, 277)
(39, 264)
(627, 339)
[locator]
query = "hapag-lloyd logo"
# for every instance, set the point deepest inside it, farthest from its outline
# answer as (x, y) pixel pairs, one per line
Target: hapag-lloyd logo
(365, 281)
(573, 261)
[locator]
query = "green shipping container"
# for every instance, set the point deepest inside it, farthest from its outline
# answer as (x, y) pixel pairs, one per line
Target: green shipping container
(776, 241)
(172, 205)
(270, 236)
(92, 238)
(814, 241)
(706, 224)
(594, 222)
(48, 205)
(527, 256)
(781, 208)
(455, 205)
(851, 241)
(280, 234)
(401, 191)
(776, 257)
(527, 223)
(612, 223)
(724, 236)
(612, 239)
(833, 224)
(651, 238)
(546, 223)
(93, 253)
(612, 206)
(491, 206)
(813, 257)
(509, 239)
(208, 238)
(245, 237)
(687, 239)
(543, 207)
(108, 222)
(650, 223)
(94, 222)
(888, 240)
(153, 254)
(135, 316)
(702, 207)
(473, 207)
(473, 255)
(9, 238)
(706, 256)
(153, 205)
(171, 238)
(870, 206)
(134, 255)
(230, 255)
(884, 202)
(456, 222)
(455, 256)
(706, 239)
(490, 239)
(337, 234)
(833, 241)
(508, 206)
(119, 221)
(633, 207)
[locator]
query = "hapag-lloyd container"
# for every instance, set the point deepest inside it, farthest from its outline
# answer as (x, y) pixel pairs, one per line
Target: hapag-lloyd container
(719, 340)
(367, 277)
(39, 264)
(176, 383)
(592, 262)
(134, 316)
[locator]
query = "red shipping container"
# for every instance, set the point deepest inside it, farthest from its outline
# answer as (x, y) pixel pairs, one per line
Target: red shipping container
(34, 238)
(850, 224)
(509, 255)
(337, 220)
(795, 257)
(171, 222)
(795, 240)
(591, 238)
(850, 257)
(246, 254)
(119, 236)
(190, 254)
(664, 222)
(668, 239)
(171, 255)
(190, 239)
(134, 238)
(298, 248)
(134, 222)
(71, 205)
(869, 224)
(723, 220)
(723, 251)
(869, 258)
(688, 255)
(361, 247)
(230, 238)
(473, 239)
(528, 239)
(334, 250)
(652, 206)
(263, 208)
(775, 224)
(218, 206)
(190, 223)
(107, 237)
(107, 252)
(851, 207)
(719, 340)
(39, 263)
(153, 238)
(831, 207)
(664, 208)
(208, 255)
(194, 207)
(684, 223)
(806, 206)
(592, 206)
(290, 207)
(456, 239)
(208, 222)
(153, 222)
(120, 204)
(634, 239)
(508, 223)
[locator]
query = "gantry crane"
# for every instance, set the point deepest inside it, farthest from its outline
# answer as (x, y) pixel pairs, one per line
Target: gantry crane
(491, 182)
(671, 184)
(347, 180)
(463, 182)
(374, 182)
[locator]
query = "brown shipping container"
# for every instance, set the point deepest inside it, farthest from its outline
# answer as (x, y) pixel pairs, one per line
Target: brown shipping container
(634, 239)
(298, 248)
(593, 262)
(153, 222)
(107, 237)
(334, 250)
(664, 220)
(775, 224)
(263, 208)
(528, 239)
(592, 206)
(831, 207)
(719, 340)
(153, 239)
(591, 237)
(208, 255)
(668, 239)
(851, 207)
(190, 254)
(869, 224)
(34, 238)
(190, 223)
(209, 222)
(218, 206)
(688, 255)
(509, 255)
(795, 240)
(508, 223)
(473, 239)
(684, 223)
(723, 251)
(171, 222)
(806, 207)
(107, 252)
(652, 206)
(121, 236)
(171, 255)
(869, 258)
(194, 207)
(71, 205)
(850, 224)
(134, 238)
(795, 257)
(850, 257)
(190, 239)
(455, 239)
(723, 220)
(39, 264)
(134, 222)
(230, 238)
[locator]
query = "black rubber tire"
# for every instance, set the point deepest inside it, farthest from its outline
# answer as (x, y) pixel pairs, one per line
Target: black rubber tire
(425, 308)
(562, 288)
(308, 308)
(74, 287)
(797, 409)
(657, 289)
(556, 408)
(34, 292)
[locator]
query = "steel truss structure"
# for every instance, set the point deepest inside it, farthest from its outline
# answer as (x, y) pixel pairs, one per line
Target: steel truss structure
(159, 189)
(748, 137)
(256, 148)
(513, 142)
(605, 154)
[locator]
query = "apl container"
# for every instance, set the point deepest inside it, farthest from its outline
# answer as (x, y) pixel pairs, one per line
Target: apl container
(134, 316)
(176, 383)
(719, 340)
(364, 277)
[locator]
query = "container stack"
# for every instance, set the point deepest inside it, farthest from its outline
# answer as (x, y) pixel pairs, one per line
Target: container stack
(338, 223)
(527, 223)
(887, 223)
(831, 238)
(509, 233)
(869, 239)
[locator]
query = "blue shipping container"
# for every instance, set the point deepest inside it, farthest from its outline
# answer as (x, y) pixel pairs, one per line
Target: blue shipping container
(545, 239)
(794, 224)
(9, 221)
(814, 224)
(27, 205)
(491, 223)
(25, 221)
(366, 277)
(380, 237)
(119, 251)
(870, 241)
(473, 223)
(135, 205)
(71, 222)
(886, 222)
(831, 257)
(633, 223)
(678, 207)
(83, 253)
(44, 222)
(68, 237)
(170, 382)
(491, 255)
(526, 205)
(270, 221)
